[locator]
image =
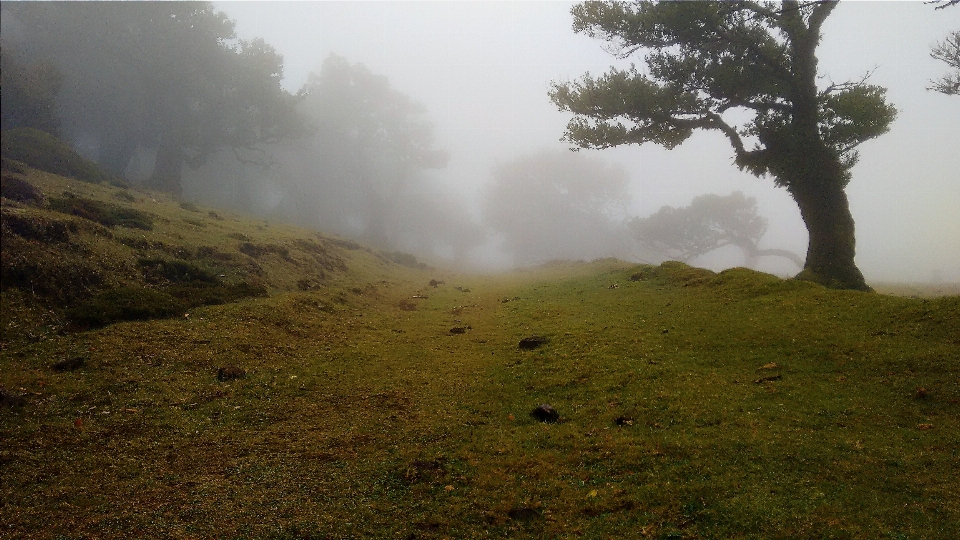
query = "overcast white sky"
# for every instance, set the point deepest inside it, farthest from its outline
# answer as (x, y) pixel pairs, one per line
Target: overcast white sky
(483, 70)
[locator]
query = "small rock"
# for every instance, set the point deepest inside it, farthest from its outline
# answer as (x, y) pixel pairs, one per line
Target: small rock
(545, 413)
(532, 342)
(768, 379)
(230, 373)
(458, 330)
(921, 393)
(70, 364)
(623, 421)
(435, 283)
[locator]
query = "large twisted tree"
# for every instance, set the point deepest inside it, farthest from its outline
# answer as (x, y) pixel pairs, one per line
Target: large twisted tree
(711, 63)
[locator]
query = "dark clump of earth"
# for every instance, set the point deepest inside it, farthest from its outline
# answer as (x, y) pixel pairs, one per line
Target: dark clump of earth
(70, 364)
(11, 399)
(545, 413)
(532, 342)
(230, 373)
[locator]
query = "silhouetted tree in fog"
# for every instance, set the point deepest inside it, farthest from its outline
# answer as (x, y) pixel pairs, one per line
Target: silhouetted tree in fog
(371, 142)
(709, 223)
(558, 205)
(707, 59)
(166, 75)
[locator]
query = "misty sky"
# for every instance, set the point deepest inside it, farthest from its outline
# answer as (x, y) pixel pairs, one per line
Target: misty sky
(483, 70)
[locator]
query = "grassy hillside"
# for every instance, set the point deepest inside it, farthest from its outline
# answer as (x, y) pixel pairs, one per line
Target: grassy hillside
(388, 401)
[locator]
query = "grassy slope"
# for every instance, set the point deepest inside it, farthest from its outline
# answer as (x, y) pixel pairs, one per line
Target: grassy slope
(363, 416)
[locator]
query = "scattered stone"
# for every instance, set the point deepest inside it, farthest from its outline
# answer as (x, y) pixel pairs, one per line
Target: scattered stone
(771, 365)
(70, 364)
(532, 342)
(10, 399)
(435, 283)
(772, 378)
(462, 289)
(230, 373)
(459, 329)
(545, 413)
(921, 393)
(614, 286)
(623, 421)
(924, 427)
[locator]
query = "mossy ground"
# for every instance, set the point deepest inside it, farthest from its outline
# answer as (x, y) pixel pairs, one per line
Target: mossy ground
(692, 404)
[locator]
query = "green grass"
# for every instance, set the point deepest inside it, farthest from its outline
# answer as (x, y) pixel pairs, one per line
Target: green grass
(692, 404)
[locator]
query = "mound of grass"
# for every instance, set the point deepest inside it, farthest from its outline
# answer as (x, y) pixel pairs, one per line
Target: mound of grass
(125, 304)
(405, 259)
(106, 214)
(47, 153)
(16, 188)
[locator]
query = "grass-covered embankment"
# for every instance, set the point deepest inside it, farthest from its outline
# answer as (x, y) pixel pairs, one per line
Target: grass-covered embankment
(692, 404)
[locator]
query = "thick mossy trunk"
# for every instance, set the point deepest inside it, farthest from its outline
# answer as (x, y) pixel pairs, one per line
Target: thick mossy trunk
(830, 253)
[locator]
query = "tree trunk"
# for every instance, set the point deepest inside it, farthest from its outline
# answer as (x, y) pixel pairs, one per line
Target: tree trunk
(831, 249)
(168, 169)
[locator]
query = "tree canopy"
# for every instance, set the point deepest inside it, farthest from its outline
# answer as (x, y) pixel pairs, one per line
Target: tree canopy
(29, 94)
(370, 145)
(165, 75)
(709, 64)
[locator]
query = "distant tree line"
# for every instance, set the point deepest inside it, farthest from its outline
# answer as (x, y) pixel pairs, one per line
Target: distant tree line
(170, 76)
(173, 82)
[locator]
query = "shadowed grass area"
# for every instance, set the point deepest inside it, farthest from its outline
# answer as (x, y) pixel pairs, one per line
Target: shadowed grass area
(691, 404)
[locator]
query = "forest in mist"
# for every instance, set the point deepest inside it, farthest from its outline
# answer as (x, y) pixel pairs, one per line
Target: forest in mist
(442, 142)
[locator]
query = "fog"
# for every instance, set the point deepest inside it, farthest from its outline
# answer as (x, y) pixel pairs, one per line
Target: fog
(482, 71)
